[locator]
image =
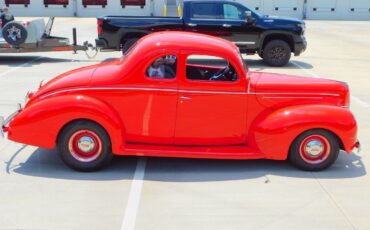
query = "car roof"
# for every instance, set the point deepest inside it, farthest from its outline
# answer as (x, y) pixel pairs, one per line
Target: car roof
(186, 41)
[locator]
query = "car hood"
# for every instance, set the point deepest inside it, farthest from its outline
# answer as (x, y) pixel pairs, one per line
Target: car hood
(272, 88)
(277, 22)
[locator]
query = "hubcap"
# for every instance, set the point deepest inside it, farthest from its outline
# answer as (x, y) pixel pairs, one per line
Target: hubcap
(14, 33)
(314, 149)
(84, 145)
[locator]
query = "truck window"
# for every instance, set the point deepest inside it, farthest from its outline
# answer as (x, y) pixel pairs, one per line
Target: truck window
(232, 12)
(205, 11)
(210, 68)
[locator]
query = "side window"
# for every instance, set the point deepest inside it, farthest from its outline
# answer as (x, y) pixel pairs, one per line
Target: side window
(205, 11)
(210, 68)
(232, 12)
(163, 67)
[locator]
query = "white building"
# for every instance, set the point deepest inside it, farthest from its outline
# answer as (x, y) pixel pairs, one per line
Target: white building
(310, 9)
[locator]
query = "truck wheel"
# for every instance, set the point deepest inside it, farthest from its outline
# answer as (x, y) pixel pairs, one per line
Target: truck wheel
(127, 45)
(276, 53)
(14, 33)
(85, 146)
(314, 150)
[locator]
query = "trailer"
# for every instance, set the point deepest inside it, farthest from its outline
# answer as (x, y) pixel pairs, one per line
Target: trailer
(34, 36)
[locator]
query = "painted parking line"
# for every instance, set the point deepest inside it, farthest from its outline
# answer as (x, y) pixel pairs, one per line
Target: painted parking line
(19, 67)
(133, 202)
(312, 74)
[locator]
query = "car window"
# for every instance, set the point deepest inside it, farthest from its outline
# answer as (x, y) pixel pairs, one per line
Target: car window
(205, 11)
(163, 67)
(232, 12)
(210, 68)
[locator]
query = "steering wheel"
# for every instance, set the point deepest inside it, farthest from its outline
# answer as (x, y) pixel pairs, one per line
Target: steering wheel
(220, 75)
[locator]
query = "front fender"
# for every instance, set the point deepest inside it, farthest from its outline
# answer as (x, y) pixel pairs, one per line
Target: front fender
(273, 133)
(40, 122)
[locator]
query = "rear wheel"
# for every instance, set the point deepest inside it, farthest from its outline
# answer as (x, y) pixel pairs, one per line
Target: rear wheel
(85, 146)
(276, 53)
(314, 150)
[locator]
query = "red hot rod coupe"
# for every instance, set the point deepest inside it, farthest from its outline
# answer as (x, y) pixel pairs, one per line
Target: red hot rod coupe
(178, 94)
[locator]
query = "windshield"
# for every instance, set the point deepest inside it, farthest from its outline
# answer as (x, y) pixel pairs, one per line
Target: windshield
(243, 63)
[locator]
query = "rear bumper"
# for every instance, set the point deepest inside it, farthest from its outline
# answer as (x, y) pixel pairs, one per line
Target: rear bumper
(101, 43)
(4, 122)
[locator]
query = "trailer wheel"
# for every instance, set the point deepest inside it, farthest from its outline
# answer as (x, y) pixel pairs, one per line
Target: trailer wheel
(15, 33)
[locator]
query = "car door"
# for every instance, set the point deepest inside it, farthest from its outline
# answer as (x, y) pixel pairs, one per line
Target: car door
(210, 112)
(148, 105)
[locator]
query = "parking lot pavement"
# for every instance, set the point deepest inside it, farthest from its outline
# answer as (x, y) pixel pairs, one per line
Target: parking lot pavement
(39, 192)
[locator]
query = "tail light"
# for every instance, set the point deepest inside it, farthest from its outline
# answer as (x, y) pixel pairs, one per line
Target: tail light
(100, 23)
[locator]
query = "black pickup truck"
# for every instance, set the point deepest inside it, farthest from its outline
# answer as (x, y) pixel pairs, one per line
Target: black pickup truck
(272, 38)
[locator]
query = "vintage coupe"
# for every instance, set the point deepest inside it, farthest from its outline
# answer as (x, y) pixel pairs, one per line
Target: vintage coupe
(178, 94)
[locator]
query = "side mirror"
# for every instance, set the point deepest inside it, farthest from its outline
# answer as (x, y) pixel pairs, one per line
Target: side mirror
(248, 17)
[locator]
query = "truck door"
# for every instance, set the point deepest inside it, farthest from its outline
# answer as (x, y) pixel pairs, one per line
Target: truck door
(244, 34)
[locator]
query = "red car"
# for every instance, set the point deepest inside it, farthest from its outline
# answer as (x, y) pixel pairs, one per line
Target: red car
(178, 94)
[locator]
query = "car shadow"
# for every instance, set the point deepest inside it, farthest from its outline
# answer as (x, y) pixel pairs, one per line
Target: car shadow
(46, 163)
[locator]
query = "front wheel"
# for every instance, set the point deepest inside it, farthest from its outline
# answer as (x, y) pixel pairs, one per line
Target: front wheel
(84, 146)
(276, 53)
(314, 150)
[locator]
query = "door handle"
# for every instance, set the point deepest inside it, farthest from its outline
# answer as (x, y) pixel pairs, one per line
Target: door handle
(192, 24)
(226, 25)
(185, 98)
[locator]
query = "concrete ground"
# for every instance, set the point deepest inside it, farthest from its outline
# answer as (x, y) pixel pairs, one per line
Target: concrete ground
(37, 191)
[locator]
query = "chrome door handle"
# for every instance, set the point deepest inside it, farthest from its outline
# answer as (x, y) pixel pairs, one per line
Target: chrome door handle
(192, 24)
(226, 25)
(185, 98)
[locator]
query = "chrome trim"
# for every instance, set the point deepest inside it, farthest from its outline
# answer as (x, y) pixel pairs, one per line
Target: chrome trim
(143, 89)
(287, 97)
(244, 43)
(296, 94)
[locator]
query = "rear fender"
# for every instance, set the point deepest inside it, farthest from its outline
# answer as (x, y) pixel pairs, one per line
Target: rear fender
(40, 122)
(274, 132)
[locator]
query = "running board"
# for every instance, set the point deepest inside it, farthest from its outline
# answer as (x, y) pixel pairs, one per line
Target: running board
(216, 152)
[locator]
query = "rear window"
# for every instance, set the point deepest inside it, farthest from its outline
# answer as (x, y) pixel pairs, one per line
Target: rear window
(206, 11)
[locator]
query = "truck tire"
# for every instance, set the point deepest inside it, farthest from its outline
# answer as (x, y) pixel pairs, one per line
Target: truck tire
(314, 150)
(276, 53)
(85, 146)
(15, 33)
(127, 45)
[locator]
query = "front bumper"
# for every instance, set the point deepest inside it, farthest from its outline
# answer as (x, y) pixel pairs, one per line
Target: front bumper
(4, 122)
(300, 47)
(357, 147)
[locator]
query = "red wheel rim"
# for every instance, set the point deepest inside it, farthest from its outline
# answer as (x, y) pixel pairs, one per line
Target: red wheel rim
(84, 145)
(315, 149)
